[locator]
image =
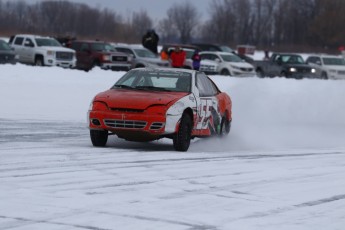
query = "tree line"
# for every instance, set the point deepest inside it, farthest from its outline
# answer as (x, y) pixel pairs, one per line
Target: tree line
(271, 24)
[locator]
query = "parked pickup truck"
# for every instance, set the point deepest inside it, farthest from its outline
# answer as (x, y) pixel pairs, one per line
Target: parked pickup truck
(99, 53)
(42, 51)
(284, 65)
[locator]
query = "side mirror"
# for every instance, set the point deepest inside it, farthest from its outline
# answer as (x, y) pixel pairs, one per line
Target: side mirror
(217, 60)
(28, 44)
(318, 62)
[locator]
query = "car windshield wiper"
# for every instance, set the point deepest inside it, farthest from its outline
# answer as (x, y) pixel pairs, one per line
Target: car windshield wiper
(123, 86)
(153, 88)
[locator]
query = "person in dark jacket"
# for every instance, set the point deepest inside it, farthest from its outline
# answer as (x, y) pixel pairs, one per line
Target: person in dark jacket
(196, 60)
(150, 41)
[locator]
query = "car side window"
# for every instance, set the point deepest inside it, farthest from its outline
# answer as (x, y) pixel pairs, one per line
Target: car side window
(19, 41)
(75, 46)
(84, 47)
(125, 50)
(205, 86)
(28, 43)
(318, 60)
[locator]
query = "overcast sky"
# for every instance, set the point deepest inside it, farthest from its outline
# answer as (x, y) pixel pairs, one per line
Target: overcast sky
(155, 8)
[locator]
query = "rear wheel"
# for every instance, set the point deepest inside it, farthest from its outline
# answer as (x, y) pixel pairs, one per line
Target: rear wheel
(182, 138)
(99, 137)
(225, 127)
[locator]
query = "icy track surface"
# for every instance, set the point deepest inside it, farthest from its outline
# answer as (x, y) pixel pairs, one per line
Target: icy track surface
(282, 166)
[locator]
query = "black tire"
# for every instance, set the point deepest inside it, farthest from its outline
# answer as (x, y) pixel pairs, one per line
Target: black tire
(39, 61)
(324, 76)
(260, 73)
(99, 138)
(182, 138)
(224, 127)
(225, 72)
(283, 74)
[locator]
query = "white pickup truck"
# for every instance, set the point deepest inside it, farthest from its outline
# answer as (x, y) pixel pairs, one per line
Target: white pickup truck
(42, 51)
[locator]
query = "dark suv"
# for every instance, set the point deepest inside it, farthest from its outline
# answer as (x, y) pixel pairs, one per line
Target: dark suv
(98, 53)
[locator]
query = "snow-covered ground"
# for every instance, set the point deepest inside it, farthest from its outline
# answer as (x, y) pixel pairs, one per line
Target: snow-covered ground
(281, 167)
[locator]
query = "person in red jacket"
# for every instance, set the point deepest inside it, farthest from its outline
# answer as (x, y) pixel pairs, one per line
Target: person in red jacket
(178, 57)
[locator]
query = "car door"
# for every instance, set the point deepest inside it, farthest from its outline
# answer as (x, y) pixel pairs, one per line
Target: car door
(28, 54)
(275, 68)
(18, 47)
(208, 117)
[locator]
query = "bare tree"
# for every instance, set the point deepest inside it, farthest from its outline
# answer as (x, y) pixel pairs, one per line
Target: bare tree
(184, 18)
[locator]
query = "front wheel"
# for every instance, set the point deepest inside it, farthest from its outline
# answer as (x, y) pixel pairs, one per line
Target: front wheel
(182, 138)
(39, 61)
(99, 137)
(324, 75)
(225, 72)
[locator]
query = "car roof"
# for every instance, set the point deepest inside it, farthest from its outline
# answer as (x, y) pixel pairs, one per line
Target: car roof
(32, 36)
(217, 52)
(168, 69)
(187, 46)
(326, 55)
(128, 45)
(89, 41)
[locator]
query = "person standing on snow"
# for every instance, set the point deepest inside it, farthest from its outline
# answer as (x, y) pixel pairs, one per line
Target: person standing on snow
(178, 57)
(150, 41)
(196, 60)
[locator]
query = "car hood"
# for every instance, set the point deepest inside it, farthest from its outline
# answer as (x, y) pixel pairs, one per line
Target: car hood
(334, 67)
(240, 64)
(298, 66)
(57, 48)
(153, 60)
(7, 52)
(134, 99)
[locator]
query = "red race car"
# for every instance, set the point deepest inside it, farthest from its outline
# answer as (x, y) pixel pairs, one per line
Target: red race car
(148, 104)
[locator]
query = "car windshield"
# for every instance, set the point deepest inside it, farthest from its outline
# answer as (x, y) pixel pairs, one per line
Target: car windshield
(154, 80)
(4, 46)
(145, 53)
(231, 58)
(226, 49)
(47, 42)
(292, 59)
(333, 61)
(102, 47)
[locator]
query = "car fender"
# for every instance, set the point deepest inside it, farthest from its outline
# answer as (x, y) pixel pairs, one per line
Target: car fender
(176, 110)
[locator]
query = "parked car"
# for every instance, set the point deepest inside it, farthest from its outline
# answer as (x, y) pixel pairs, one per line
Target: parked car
(287, 65)
(152, 103)
(42, 51)
(328, 66)
(99, 53)
(213, 47)
(7, 55)
(142, 57)
(189, 49)
(228, 63)
(222, 48)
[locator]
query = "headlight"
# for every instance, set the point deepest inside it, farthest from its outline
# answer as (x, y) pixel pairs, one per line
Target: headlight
(106, 57)
(159, 109)
(176, 109)
(235, 67)
(293, 69)
(50, 52)
(98, 105)
(313, 70)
